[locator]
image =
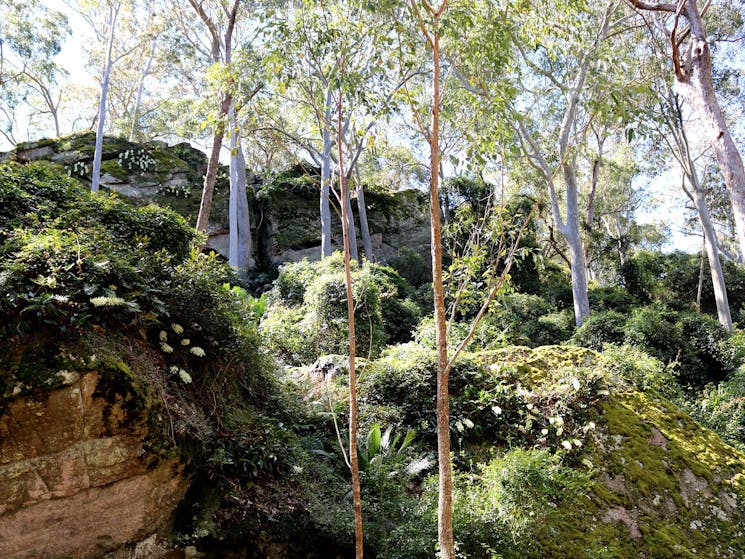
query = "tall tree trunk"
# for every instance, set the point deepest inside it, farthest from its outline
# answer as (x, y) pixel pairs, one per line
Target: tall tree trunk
(353, 411)
(326, 248)
(239, 247)
(140, 90)
(445, 202)
(98, 153)
(576, 250)
(697, 194)
(348, 221)
(694, 81)
(700, 95)
(568, 139)
(210, 178)
(700, 289)
(446, 538)
(233, 196)
(205, 206)
(364, 226)
(712, 253)
(245, 241)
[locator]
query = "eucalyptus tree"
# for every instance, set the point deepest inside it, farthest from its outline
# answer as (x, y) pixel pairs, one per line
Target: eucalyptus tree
(118, 32)
(103, 18)
(31, 36)
(144, 78)
(353, 458)
(215, 38)
(574, 88)
(683, 24)
(428, 19)
(677, 138)
(150, 61)
(310, 42)
(556, 85)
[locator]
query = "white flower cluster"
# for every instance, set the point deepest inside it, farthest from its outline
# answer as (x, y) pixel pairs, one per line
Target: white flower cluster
(79, 169)
(184, 342)
(183, 375)
(136, 160)
(178, 190)
(107, 301)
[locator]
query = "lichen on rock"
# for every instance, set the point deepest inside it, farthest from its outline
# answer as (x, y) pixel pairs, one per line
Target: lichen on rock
(663, 486)
(76, 478)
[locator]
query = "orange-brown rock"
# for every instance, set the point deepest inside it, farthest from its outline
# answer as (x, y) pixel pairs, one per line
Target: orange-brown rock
(75, 478)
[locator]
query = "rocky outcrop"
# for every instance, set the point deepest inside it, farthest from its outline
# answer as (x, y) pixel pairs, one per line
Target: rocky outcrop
(284, 208)
(661, 486)
(76, 479)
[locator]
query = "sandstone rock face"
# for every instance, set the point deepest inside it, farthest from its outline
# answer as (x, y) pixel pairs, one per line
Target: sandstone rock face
(75, 479)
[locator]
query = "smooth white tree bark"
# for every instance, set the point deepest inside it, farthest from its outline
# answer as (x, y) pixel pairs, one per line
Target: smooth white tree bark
(140, 90)
(325, 206)
(677, 139)
(364, 226)
(240, 246)
(569, 136)
(98, 153)
(712, 252)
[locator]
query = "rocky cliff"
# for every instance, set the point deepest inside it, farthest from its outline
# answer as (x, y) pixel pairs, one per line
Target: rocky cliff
(76, 478)
(284, 207)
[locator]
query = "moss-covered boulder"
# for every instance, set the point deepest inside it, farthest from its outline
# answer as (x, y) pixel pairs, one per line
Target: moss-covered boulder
(290, 226)
(145, 173)
(662, 486)
(284, 210)
(557, 454)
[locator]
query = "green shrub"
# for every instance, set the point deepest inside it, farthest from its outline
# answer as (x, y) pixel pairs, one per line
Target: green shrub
(509, 498)
(600, 328)
(493, 406)
(656, 331)
(721, 407)
(642, 371)
(399, 389)
(610, 298)
(516, 319)
(697, 342)
(734, 347)
(307, 312)
(556, 286)
(530, 320)
(496, 508)
(704, 357)
(34, 194)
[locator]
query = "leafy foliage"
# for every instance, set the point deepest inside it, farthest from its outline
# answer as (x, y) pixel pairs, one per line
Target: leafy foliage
(307, 310)
(721, 407)
(696, 344)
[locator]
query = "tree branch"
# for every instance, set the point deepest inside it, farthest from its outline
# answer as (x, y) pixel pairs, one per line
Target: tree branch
(656, 7)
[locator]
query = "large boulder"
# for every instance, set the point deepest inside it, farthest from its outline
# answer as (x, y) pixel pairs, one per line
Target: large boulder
(662, 485)
(78, 477)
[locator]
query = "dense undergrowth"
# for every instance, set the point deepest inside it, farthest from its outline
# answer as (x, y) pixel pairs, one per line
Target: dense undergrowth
(89, 282)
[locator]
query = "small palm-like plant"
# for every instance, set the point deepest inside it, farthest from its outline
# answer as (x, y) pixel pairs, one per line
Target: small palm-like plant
(382, 447)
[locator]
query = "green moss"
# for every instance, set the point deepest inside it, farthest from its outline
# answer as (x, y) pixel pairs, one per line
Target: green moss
(167, 162)
(671, 491)
(112, 167)
(44, 142)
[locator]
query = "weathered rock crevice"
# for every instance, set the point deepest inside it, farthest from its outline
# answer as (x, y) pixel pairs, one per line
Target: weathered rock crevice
(75, 477)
